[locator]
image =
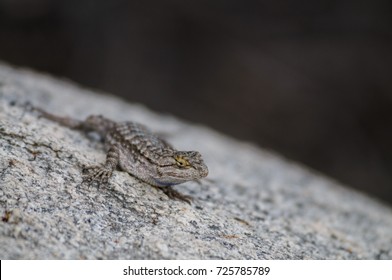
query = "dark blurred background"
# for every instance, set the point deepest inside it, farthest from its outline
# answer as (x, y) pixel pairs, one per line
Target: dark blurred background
(309, 79)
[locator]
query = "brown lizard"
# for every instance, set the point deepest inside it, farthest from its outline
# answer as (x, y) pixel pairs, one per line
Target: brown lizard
(132, 148)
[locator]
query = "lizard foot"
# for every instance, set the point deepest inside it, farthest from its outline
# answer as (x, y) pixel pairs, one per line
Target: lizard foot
(96, 174)
(173, 194)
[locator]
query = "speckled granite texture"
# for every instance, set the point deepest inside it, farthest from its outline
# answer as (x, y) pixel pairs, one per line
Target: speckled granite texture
(254, 205)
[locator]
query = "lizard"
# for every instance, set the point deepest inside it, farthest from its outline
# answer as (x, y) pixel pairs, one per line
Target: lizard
(133, 148)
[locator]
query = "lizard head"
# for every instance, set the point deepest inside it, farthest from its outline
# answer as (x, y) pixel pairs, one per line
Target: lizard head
(181, 167)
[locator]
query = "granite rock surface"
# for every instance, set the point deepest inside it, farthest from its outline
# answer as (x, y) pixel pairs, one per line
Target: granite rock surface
(254, 204)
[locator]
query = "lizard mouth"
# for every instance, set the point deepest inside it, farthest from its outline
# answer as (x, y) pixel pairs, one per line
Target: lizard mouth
(162, 183)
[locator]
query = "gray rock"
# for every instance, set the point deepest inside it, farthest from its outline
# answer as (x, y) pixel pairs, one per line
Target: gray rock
(254, 205)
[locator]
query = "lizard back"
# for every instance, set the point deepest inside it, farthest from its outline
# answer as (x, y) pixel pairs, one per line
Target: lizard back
(139, 140)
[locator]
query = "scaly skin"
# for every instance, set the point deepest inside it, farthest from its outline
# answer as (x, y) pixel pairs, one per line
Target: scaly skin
(132, 148)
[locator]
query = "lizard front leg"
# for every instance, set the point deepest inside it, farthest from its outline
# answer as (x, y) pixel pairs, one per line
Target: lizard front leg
(173, 194)
(102, 173)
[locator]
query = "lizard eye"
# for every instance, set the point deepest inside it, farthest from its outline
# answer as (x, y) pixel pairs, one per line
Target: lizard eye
(182, 162)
